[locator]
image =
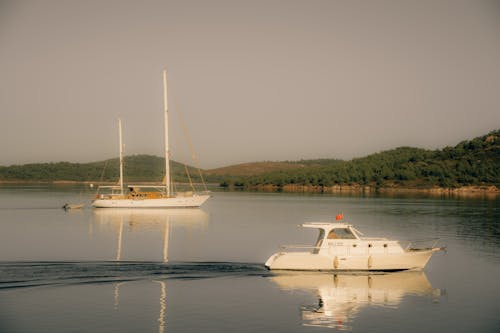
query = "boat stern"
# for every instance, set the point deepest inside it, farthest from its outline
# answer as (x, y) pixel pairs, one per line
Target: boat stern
(298, 261)
(269, 262)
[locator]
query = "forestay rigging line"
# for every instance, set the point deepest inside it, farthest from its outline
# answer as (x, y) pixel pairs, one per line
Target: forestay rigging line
(193, 155)
(187, 170)
(103, 170)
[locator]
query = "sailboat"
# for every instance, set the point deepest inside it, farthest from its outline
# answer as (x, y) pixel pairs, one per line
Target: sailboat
(148, 196)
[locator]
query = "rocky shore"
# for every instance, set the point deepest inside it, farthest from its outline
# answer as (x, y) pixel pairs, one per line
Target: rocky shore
(487, 190)
(490, 191)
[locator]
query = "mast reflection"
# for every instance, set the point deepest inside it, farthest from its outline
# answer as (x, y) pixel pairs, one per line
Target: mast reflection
(342, 296)
(153, 219)
(163, 307)
(162, 300)
(117, 295)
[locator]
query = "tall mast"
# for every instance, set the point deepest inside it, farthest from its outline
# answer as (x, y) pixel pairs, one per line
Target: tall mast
(121, 154)
(167, 150)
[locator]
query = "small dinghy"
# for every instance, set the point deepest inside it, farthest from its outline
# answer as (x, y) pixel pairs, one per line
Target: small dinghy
(340, 247)
(68, 206)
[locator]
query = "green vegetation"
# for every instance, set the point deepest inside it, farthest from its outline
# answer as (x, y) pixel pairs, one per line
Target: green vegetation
(137, 168)
(474, 162)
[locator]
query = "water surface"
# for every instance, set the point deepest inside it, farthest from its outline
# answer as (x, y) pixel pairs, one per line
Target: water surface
(202, 269)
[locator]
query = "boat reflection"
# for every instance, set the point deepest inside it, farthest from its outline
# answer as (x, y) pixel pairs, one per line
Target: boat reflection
(162, 313)
(162, 220)
(342, 296)
(163, 307)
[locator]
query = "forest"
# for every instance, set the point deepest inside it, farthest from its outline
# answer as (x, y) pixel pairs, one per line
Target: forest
(472, 162)
(137, 168)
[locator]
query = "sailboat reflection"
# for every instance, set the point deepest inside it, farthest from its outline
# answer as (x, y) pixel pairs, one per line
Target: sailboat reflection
(152, 219)
(163, 220)
(162, 300)
(341, 296)
(163, 307)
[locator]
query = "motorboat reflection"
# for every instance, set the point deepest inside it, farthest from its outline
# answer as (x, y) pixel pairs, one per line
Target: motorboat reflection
(149, 219)
(342, 296)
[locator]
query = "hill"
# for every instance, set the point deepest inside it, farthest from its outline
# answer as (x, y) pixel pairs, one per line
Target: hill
(252, 169)
(470, 163)
(137, 168)
(258, 168)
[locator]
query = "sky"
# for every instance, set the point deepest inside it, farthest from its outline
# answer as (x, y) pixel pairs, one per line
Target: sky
(259, 80)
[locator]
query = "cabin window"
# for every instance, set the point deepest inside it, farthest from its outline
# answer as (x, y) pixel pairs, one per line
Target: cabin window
(341, 233)
(319, 241)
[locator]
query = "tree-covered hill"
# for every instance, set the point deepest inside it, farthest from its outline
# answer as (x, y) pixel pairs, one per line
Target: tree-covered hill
(136, 168)
(473, 162)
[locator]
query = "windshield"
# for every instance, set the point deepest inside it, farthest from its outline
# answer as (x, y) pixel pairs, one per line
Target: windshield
(319, 240)
(341, 233)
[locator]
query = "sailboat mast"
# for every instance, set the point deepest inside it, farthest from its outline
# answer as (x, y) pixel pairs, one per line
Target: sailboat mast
(121, 154)
(167, 150)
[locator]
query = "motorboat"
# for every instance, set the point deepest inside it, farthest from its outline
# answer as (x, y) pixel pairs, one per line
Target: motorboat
(339, 246)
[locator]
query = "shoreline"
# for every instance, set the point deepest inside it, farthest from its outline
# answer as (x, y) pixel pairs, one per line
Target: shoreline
(87, 182)
(481, 190)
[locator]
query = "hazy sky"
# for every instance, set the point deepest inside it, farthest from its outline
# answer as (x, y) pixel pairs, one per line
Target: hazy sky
(254, 80)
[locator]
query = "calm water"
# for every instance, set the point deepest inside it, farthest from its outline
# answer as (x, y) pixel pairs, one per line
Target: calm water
(202, 270)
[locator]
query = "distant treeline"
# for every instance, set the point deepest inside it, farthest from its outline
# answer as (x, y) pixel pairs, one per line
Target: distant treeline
(137, 168)
(474, 162)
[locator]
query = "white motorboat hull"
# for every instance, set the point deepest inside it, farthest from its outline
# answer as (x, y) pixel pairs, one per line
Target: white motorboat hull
(339, 247)
(407, 260)
(171, 202)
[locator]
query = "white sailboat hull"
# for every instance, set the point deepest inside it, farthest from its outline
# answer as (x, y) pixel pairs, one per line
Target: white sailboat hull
(171, 202)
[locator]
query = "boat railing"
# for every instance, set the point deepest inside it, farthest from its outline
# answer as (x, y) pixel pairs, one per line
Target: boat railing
(108, 187)
(419, 244)
(298, 248)
(373, 238)
(146, 186)
(106, 191)
(207, 192)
